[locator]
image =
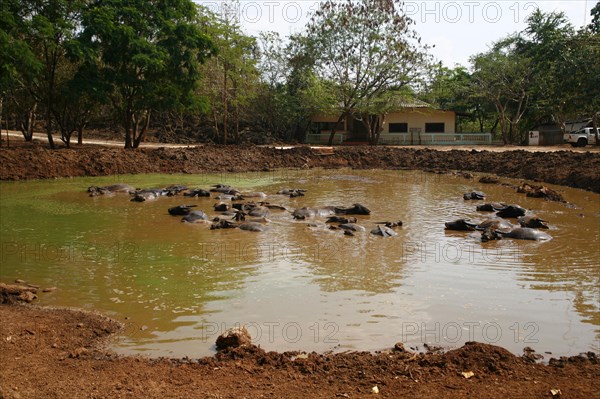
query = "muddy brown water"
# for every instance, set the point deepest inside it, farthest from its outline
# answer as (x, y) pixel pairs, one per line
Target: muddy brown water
(301, 286)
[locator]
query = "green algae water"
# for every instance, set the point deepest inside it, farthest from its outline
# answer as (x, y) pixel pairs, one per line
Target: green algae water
(300, 285)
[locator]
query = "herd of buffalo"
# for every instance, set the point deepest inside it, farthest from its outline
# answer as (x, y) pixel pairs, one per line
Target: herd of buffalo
(498, 227)
(240, 210)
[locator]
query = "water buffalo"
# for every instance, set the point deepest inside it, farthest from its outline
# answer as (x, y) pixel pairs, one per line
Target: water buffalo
(221, 207)
(253, 209)
(198, 192)
(532, 221)
(225, 189)
(474, 195)
(174, 189)
(228, 197)
(147, 194)
(195, 217)
(383, 231)
(292, 192)
(491, 206)
(306, 212)
(340, 219)
(351, 227)
(355, 209)
(519, 233)
(181, 210)
(259, 211)
(253, 226)
(392, 225)
(325, 211)
(223, 224)
(495, 224)
(511, 211)
(461, 225)
(273, 206)
(109, 190)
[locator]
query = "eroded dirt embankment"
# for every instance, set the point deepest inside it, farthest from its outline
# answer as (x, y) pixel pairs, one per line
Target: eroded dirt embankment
(568, 168)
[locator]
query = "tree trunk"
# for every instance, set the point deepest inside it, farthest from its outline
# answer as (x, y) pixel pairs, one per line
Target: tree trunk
(379, 128)
(337, 124)
(142, 132)
(494, 126)
(225, 103)
(128, 124)
(596, 125)
(26, 125)
(49, 124)
(236, 115)
(80, 135)
(368, 122)
(216, 120)
(65, 136)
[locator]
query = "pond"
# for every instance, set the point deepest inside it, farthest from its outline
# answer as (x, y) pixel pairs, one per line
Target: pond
(299, 285)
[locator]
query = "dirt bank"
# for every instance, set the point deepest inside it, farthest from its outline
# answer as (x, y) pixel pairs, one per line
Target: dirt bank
(569, 168)
(58, 353)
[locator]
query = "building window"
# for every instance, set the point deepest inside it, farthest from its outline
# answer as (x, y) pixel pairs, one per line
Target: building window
(325, 126)
(328, 126)
(435, 128)
(398, 127)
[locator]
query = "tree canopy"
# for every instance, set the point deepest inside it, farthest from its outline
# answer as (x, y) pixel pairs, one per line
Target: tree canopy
(365, 49)
(184, 73)
(147, 54)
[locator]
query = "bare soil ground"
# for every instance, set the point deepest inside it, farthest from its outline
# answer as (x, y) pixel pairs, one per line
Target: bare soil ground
(579, 169)
(58, 353)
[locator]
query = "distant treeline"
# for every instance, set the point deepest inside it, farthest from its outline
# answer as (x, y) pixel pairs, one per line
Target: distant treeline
(186, 74)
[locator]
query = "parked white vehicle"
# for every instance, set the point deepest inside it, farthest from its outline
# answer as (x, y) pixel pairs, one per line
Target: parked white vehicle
(581, 137)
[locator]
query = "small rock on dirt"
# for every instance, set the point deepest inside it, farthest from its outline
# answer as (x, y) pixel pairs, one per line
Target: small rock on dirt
(233, 338)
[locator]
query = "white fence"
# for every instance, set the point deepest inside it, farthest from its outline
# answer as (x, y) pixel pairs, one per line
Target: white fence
(323, 138)
(436, 139)
(412, 138)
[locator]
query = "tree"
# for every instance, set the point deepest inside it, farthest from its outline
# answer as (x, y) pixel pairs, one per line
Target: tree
(18, 67)
(232, 72)
(290, 92)
(364, 48)
(565, 67)
(147, 54)
(452, 89)
(78, 98)
(594, 26)
(504, 79)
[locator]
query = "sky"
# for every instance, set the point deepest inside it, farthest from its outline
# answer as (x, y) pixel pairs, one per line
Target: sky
(458, 29)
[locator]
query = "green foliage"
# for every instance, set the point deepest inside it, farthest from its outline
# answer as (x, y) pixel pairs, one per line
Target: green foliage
(18, 64)
(594, 26)
(124, 60)
(546, 73)
(365, 49)
(147, 54)
(232, 73)
(291, 92)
